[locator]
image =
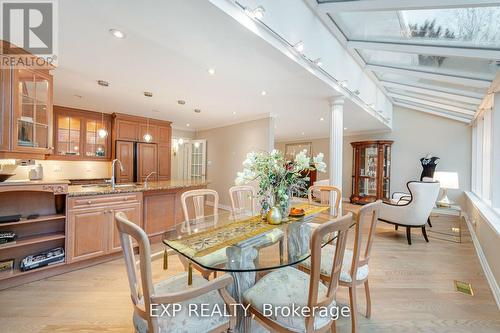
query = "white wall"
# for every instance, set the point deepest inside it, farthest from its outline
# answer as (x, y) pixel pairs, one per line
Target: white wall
(318, 146)
(416, 134)
(227, 148)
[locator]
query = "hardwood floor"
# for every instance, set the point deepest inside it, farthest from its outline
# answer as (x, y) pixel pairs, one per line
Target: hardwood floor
(411, 287)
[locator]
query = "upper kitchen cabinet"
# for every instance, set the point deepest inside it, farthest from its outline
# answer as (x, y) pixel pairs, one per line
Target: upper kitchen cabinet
(134, 128)
(81, 134)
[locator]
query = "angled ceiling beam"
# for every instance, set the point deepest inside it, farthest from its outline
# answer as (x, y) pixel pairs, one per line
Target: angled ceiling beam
(440, 100)
(433, 92)
(456, 93)
(442, 106)
(410, 47)
(432, 76)
(436, 113)
(370, 5)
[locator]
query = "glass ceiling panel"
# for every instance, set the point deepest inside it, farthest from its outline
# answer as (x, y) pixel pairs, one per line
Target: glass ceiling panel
(457, 66)
(416, 81)
(466, 27)
(430, 108)
(431, 98)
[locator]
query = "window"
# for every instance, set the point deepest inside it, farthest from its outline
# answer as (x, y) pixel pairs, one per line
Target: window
(482, 156)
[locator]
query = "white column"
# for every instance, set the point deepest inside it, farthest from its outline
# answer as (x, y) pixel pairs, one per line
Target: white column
(495, 151)
(336, 146)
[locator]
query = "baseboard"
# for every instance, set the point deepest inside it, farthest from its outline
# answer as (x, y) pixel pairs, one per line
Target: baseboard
(495, 289)
(221, 206)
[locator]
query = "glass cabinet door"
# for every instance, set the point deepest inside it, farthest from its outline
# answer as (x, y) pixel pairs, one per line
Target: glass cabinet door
(198, 159)
(95, 145)
(68, 135)
(34, 110)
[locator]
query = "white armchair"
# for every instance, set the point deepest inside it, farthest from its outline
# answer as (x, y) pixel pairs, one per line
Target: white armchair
(414, 211)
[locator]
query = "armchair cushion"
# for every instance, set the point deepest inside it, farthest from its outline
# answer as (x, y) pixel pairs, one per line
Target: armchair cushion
(182, 322)
(286, 287)
(327, 254)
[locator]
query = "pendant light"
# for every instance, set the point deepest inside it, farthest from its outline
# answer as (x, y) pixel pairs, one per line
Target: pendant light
(102, 132)
(147, 137)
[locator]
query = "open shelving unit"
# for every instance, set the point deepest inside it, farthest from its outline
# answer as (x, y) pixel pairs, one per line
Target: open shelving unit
(40, 234)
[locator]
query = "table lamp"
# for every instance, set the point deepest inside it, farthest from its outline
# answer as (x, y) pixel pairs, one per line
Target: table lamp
(447, 180)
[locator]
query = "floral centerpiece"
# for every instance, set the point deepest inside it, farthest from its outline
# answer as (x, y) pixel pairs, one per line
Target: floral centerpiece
(277, 177)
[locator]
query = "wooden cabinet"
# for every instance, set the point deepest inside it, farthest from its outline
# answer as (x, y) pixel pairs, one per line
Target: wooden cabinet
(164, 162)
(371, 171)
(159, 212)
(87, 231)
(91, 224)
(126, 129)
(147, 161)
(77, 134)
(125, 153)
(165, 134)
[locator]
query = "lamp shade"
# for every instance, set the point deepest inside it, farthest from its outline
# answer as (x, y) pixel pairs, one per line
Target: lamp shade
(447, 179)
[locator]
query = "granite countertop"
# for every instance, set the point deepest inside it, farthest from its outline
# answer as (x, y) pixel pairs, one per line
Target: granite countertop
(84, 190)
(32, 182)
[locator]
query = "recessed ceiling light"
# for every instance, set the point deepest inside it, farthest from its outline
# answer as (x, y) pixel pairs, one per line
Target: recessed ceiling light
(187, 125)
(321, 119)
(197, 110)
(234, 112)
(211, 71)
(318, 62)
(103, 83)
(263, 93)
(356, 92)
(343, 83)
(299, 47)
(181, 102)
(303, 133)
(117, 33)
(148, 94)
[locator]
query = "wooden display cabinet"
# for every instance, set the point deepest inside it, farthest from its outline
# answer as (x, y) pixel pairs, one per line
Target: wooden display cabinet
(371, 171)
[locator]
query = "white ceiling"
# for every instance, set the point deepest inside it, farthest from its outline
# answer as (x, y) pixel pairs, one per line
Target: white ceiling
(169, 47)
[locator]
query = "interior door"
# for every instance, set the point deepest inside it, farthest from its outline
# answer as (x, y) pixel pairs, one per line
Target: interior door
(147, 161)
(125, 153)
(197, 159)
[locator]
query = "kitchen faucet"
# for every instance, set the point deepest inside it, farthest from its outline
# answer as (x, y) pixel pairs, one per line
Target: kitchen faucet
(113, 176)
(147, 178)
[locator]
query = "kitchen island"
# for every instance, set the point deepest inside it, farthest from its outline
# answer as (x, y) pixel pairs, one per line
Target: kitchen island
(80, 219)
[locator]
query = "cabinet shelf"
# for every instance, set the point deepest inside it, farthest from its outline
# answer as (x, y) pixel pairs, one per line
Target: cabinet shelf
(30, 240)
(38, 219)
(17, 272)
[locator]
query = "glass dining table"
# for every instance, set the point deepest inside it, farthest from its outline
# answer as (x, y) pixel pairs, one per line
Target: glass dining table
(243, 245)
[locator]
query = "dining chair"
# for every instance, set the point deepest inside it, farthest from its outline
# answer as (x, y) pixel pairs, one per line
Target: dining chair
(239, 195)
(355, 261)
(216, 258)
(291, 287)
(149, 299)
(324, 195)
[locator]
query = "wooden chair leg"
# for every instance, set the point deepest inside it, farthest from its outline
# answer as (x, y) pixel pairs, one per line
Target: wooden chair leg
(333, 327)
(429, 221)
(424, 232)
(354, 309)
(368, 300)
(408, 235)
(396, 227)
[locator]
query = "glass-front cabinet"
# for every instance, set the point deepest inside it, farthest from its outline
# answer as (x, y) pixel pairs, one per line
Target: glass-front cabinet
(371, 171)
(32, 111)
(81, 134)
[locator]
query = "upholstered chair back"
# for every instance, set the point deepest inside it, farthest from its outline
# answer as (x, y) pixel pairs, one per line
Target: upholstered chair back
(141, 286)
(198, 199)
(240, 196)
(341, 227)
(423, 199)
